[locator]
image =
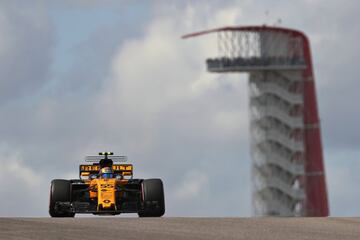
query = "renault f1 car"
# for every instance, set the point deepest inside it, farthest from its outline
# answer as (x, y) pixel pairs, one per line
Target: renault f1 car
(105, 188)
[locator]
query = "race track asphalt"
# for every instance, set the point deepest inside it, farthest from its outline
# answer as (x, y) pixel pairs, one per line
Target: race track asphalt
(101, 228)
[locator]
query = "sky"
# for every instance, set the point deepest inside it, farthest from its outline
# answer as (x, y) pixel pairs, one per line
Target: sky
(79, 77)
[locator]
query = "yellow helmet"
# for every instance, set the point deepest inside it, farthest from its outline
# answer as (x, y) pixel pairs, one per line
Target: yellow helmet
(106, 172)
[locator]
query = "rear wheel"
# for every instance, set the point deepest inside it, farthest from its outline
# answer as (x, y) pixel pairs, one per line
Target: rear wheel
(59, 192)
(153, 198)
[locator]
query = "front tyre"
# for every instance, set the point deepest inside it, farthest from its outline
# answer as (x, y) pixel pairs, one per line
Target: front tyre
(59, 192)
(153, 198)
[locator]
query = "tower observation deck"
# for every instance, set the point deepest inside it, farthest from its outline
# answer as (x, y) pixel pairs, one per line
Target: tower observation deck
(288, 177)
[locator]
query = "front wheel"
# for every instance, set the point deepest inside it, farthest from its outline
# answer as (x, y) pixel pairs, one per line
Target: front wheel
(59, 192)
(153, 198)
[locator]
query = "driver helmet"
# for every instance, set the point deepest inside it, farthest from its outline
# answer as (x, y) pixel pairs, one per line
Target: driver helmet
(106, 172)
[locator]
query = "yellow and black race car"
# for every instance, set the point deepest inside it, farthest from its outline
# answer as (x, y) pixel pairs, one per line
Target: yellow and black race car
(105, 188)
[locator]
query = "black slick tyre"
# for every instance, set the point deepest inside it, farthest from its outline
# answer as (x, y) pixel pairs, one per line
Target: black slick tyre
(153, 198)
(59, 192)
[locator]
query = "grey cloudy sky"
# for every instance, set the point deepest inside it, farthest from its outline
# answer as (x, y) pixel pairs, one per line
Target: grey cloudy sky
(82, 76)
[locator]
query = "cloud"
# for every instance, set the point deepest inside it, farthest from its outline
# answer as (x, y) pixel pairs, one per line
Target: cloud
(90, 3)
(25, 49)
(342, 177)
(15, 168)
(192, 186)
(20, 184)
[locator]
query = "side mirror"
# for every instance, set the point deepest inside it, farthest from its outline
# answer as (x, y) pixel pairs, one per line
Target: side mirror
(93, 176)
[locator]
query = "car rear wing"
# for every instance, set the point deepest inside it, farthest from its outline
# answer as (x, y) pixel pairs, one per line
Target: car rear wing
(85, 170)
(96, 159)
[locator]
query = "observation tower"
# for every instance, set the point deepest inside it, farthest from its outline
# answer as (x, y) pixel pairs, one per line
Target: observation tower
(288, 177)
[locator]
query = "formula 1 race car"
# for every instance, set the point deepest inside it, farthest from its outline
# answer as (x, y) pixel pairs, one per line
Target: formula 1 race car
(105, 188)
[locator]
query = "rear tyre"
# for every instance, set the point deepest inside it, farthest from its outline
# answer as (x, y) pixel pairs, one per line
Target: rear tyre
(153, 198)
(59, 192)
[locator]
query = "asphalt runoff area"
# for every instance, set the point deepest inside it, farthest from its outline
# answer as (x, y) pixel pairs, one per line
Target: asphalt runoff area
(180, 228)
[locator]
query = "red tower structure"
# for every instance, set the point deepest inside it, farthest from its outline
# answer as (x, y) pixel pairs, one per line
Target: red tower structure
(288, 168)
